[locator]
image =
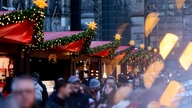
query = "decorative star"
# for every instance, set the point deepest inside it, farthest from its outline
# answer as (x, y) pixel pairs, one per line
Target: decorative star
(117, 36)
(92, 25)
(132, 42)
(155, 50)
(40, 3)
(142, 46)
(149, 48)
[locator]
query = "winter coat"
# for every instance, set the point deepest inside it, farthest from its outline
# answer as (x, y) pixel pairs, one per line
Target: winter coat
(56, 102)
(79, 100)
(44, 94)
(38, 92)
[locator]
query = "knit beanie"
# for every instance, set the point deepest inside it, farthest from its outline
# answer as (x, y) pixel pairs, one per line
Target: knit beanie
(94, 83)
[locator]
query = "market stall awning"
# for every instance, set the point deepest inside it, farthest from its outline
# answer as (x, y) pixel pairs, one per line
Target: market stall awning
(21, 27)
(103, 48)
(74, 46)
(120, 52)
(68, 41)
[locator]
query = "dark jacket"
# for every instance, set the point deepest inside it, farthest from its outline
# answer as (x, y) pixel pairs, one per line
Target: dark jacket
(79, 100)
(56, 102)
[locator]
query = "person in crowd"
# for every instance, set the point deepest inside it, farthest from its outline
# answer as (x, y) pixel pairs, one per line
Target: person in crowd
(84, 90)
(41, 90)
(107, 93)
(1, 97)
(77, 99)
(8, 102)
(94, 87)
(23, 91)
(106, 100)
(122, 80)
(7, 88)
(60, 100)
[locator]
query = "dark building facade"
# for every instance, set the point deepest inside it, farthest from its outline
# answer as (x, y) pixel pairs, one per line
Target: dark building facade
(115, 19)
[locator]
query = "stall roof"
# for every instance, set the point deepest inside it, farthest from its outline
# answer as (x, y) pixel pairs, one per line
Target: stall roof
(55, 35)
(121, 51)
(103, 48)
(21, 27)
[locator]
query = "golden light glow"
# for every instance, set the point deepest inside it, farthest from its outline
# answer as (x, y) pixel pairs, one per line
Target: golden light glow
(92, 25)
(40, 3)
(167, 44)
(53, 57)
(117, 36)
(170, 93)
(179, 3)
(149, 48)
(142, 46)
(152, 73)
(150, 22)
(155, 50)
(132, 42)
(186, 57)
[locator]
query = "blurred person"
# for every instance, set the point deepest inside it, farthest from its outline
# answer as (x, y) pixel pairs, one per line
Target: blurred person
(122, 80)
(41, 90)
(60, 100)
(23, 91)
(7, 88)
(106, 100)
(77, 99)
(94, 88)
(84, 89)
(9, 102)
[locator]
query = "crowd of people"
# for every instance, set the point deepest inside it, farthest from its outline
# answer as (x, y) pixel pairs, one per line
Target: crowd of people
(28, 91)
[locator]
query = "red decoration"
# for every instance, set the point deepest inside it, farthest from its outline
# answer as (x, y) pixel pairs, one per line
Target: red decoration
(17, 33)
(103, 53)
(71, 47)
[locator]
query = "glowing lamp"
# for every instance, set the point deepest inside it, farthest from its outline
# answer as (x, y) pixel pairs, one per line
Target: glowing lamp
(169, 95)
(132, 42)
(152, 73)
(186, 57)
(167, 44)
(149, 48)
(150, 22)
(179, 3)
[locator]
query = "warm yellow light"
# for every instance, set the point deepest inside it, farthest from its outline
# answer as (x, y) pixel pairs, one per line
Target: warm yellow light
(152, 73)
(142, 46)
(92, 25)
(155, 50)
(40, 3)
(150, 22)
(186, 57)
(167, 44)
(149, 48)
(170, 93)
(117, 36)
(179, 3)
(132, 42)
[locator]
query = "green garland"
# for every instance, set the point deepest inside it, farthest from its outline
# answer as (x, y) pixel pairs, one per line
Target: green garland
(113, 46)
(87, 37)
(123, 51)
(140, 56)
(35, 15)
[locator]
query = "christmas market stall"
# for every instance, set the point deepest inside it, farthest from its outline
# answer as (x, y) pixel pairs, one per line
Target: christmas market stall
(54, 57)
(138, 59)
(18, 29)
(93, 63)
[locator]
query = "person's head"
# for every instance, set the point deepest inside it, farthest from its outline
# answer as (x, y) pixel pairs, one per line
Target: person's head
(23, 90)
(35, 76)
(83, 88)
(111, 81)
(63, 89)
(75, 83)
(94, 85)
